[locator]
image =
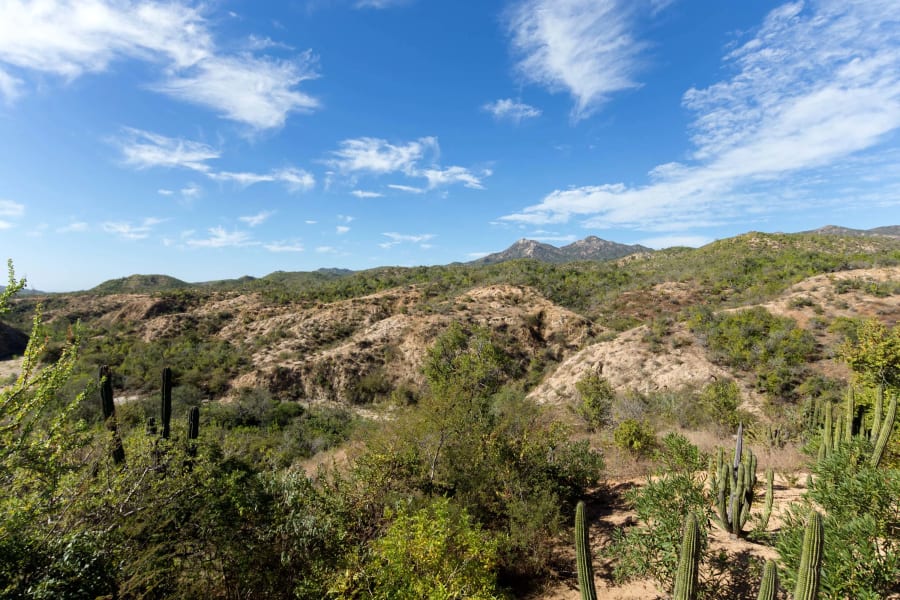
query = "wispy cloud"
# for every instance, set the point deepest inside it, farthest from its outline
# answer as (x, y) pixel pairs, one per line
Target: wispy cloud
(257, 219)
(283, 247)
(191, 191)
(296, 180)
(8, 208)
(326, 249)
(381, 4)
(10, 87)
(256, 91)
(450, 175)
(341, 229)
(68, 39)
(814, 89)
(164, 192)
(375, 155)
(220, 238)
(509, 109)
(406, 188)
(400, 238)
(380, 157)
(74, 227)
(584, 47)
(144, 149)
(127, 231)
(366, 194)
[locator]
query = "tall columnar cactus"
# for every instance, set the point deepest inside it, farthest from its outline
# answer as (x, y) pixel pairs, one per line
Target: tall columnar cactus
(194, 423)
(583, 556)
(849, 414)
(733, 488)
(166, 408)
(770, 499)
(109, 413)
(810, 560)
(768, 586)
(688, 561)
(884, 435)
(825, 444)
(877, 414)
(837, 436)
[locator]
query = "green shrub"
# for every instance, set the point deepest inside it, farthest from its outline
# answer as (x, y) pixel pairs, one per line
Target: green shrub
(596, 398)
(435, 552)
(635, 436)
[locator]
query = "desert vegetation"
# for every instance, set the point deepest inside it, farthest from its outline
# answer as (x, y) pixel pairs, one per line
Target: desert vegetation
(712, 423)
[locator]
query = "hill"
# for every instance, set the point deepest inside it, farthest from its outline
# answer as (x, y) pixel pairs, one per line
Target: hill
(889, 230)
(590, 248)
(139, 284)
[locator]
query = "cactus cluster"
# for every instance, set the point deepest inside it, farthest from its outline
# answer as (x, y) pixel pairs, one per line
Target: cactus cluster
(109, 414)
(732, 486)
(846, 426)
(810, 559)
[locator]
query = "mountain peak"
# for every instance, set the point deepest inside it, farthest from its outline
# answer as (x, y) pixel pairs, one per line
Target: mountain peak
(590, 248)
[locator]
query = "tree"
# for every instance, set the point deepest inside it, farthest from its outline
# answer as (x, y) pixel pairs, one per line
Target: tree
(875, 354)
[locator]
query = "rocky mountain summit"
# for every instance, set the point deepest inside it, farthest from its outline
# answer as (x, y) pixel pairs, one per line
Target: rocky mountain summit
(590, 248)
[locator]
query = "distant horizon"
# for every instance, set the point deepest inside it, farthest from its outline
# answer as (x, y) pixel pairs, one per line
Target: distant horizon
(209, 141)
(339, 268)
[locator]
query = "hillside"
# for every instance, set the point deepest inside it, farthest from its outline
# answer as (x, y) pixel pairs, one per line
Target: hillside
(139, 284)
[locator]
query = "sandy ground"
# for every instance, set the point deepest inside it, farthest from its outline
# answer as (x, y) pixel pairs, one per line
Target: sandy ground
(9, 368)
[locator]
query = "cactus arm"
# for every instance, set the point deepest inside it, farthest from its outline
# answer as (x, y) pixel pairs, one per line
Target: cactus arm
(810, 560)
(770, 499)
(583, 556)
(688, 561)
(848, 412)
(876, 417)
(887, 427)
(826, 430)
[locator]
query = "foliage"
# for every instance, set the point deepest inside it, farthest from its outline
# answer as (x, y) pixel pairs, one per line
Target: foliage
(635, 436)
(434, 553)
(596, 397)
(651, 549)
(875, 353)
(861, 505)
(772, 347)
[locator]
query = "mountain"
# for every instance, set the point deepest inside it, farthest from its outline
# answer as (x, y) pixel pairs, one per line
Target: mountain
(590, 248)
(139, 284)
(888, 230)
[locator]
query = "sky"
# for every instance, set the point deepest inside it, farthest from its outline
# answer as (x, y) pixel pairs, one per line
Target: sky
(211, 140)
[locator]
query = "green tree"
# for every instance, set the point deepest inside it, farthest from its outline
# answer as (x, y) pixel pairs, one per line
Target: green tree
(596, 398)
(875, 353)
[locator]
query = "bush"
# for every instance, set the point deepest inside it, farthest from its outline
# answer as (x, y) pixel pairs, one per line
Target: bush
(596, 397)
(434, 552)
(635, 436)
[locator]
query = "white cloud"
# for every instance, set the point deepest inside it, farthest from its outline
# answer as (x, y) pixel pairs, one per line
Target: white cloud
(69, 38)
(507, 108)
(164, 192)
(191, 191)
(406, 188)
(257, 219)
(10, 87)
(74, 227)
(219, 238)
(399, 238)
(144, 149)
(584, 47)
(341, 229)
(283, 247)
(378, 156)
(346, 218)
(8, 208)
(326, 249)
(5, 224)
(294, 179)
(256, 91)
(380, 4)
(814, 90)
(127, 231)
(450, 175)
(310, 222)
(366, 194)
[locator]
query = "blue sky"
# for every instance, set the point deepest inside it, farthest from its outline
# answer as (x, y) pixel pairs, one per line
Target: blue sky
(217, 139)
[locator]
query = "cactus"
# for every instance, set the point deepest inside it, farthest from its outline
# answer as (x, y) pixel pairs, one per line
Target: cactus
(768, 586)
(194, 423)
(583, 556)
(151, 426)
(887, 427)
(849, 413)
(166, 408)
(770, 498)
(810, 560)
(109, 413)
(837, 436)
(733, 488)
(825, 444)
(688, 561)
(876, 417)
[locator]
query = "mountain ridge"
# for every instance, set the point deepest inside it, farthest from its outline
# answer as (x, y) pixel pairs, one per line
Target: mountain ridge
(589, 248)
